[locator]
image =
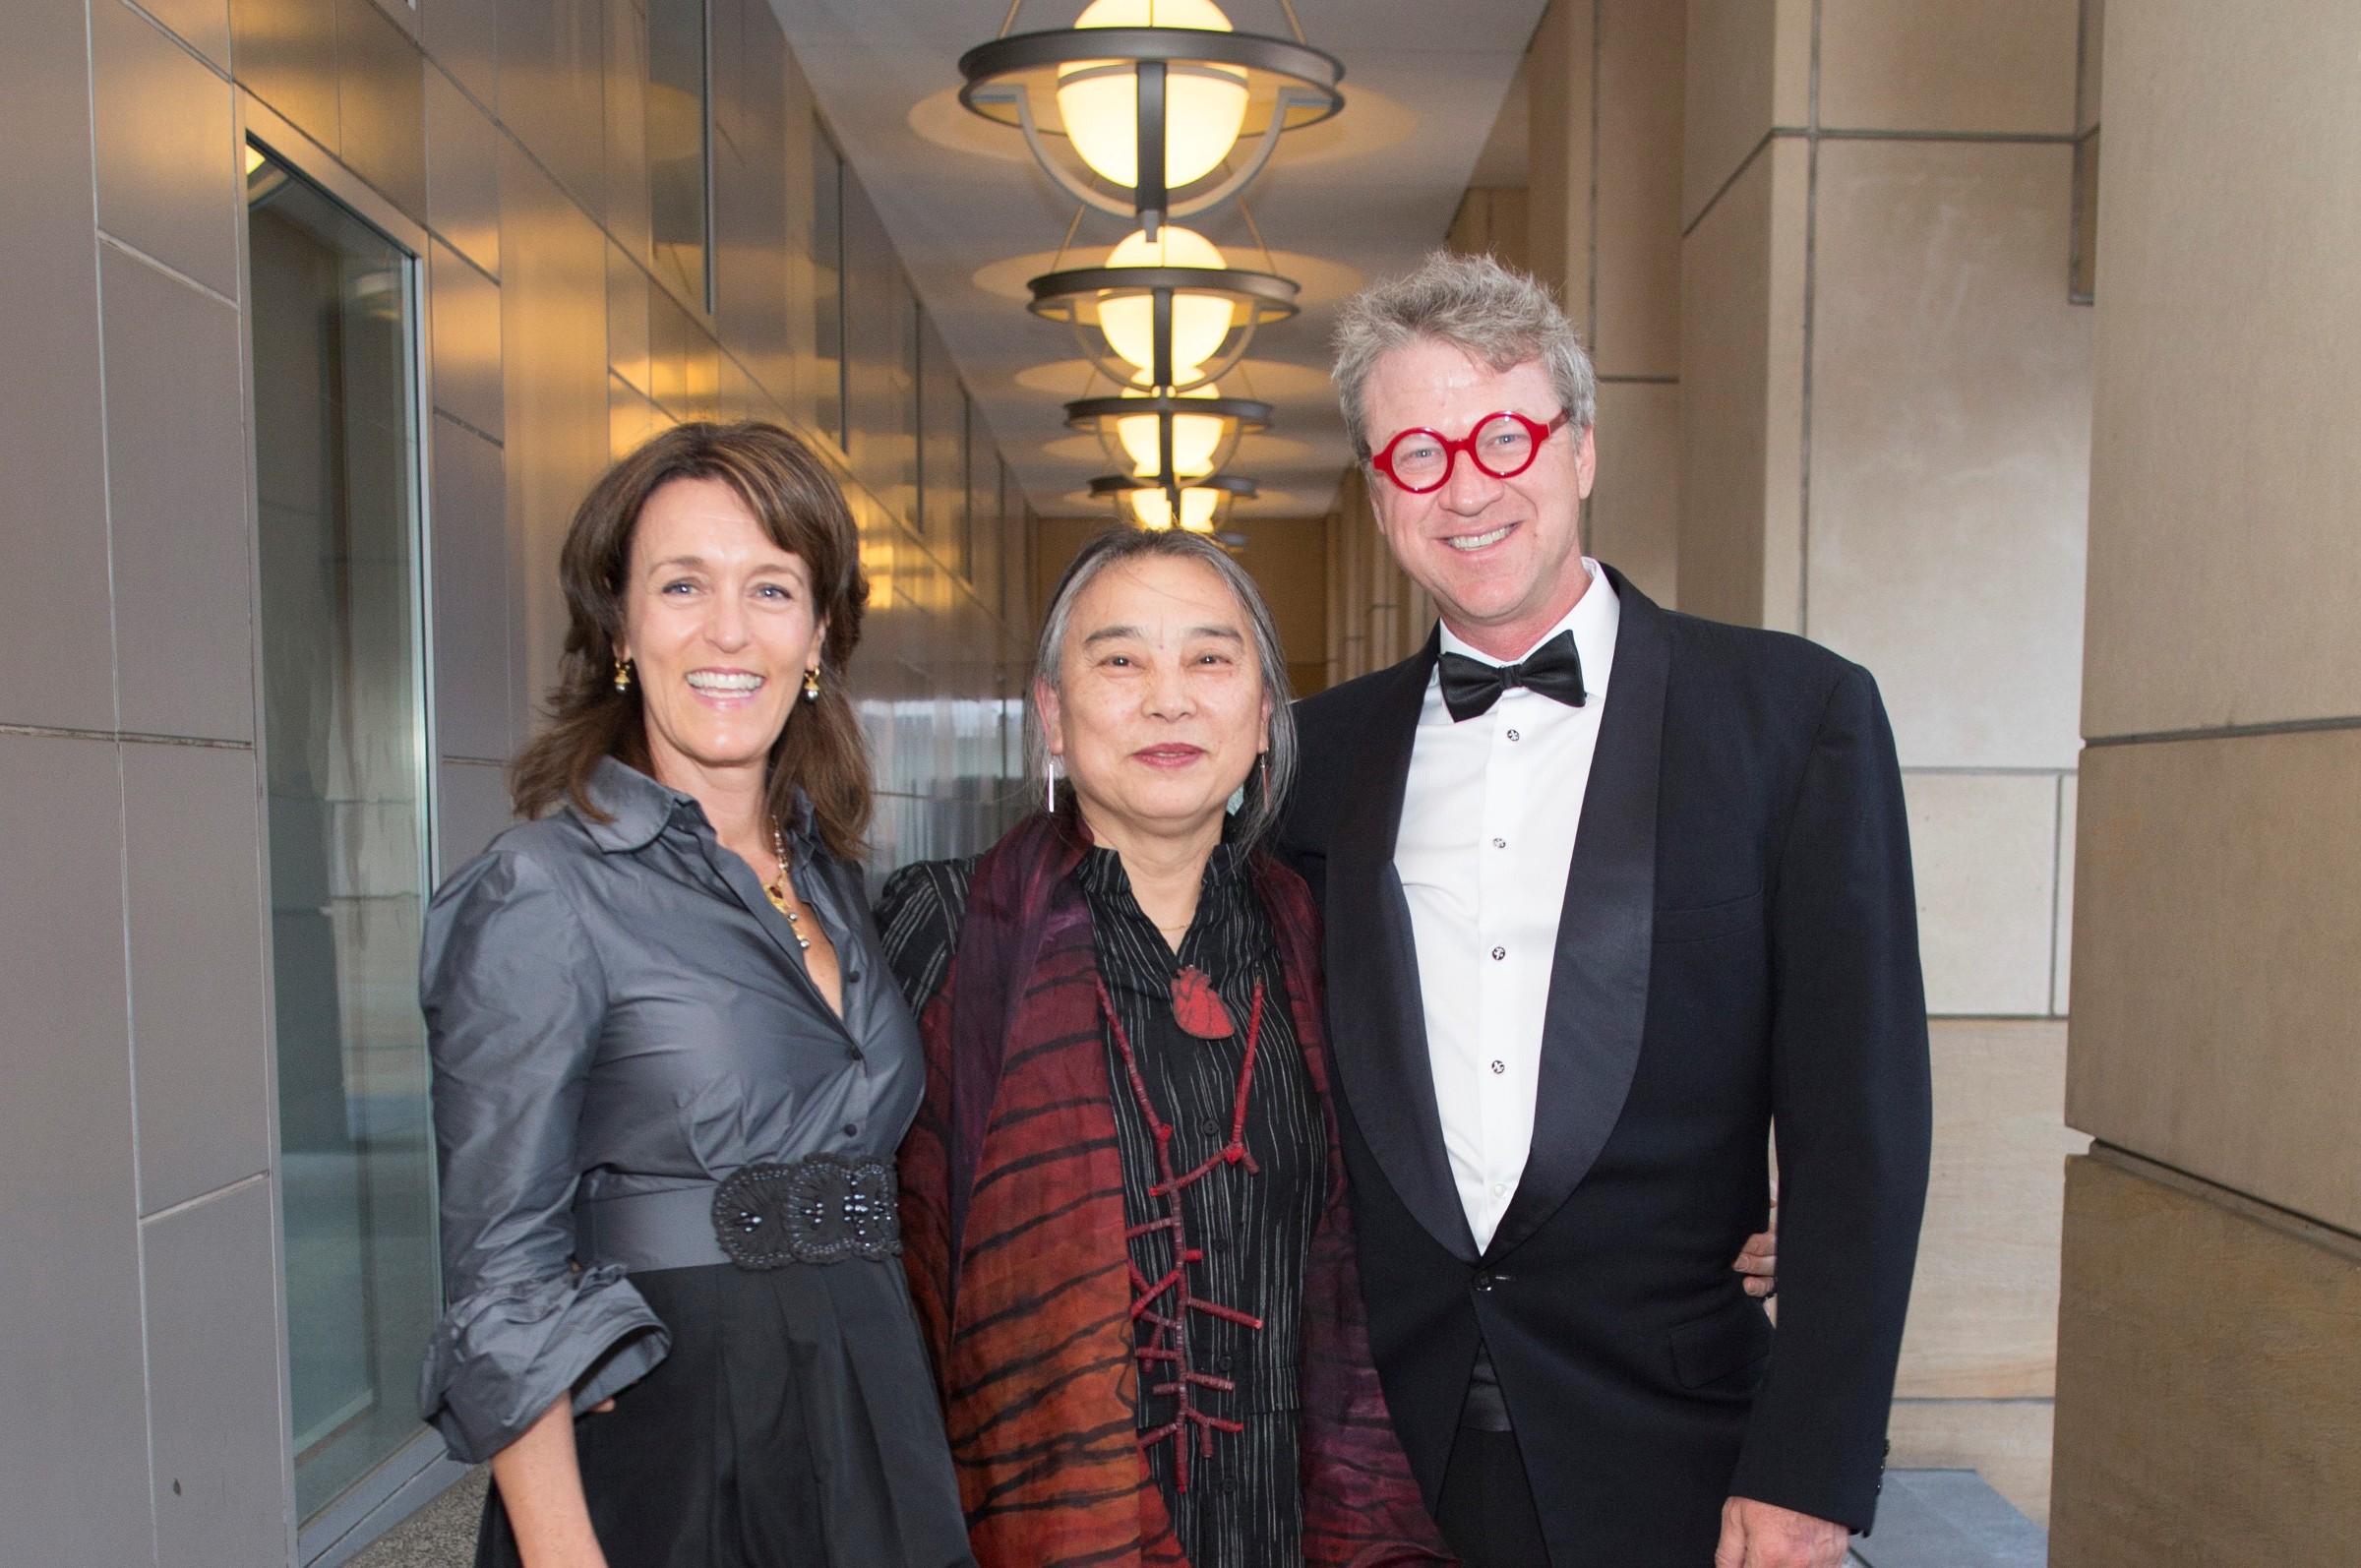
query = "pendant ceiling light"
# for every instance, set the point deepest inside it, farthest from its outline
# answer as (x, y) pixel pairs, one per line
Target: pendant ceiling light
(1153, 97)
(1164, 311)
(1169, 440)
(1202, 507)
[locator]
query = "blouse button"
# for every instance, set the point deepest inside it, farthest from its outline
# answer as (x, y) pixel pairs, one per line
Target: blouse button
(851, 1131)
(854, 1054)
(1210, 1127)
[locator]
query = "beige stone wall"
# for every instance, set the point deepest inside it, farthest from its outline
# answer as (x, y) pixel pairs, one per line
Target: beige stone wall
(2207, 1412)
(1376, 616)
(1884, 446)
(1602, 211)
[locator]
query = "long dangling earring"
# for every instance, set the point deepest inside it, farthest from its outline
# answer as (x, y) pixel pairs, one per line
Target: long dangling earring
(812, 683)
(1266, 779)
(1048, 788)
(623, 674)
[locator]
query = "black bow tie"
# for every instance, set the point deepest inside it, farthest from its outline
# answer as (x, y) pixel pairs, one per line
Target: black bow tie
(1471, 685)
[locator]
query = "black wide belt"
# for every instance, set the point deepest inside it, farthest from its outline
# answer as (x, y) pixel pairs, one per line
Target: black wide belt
(825, 1208)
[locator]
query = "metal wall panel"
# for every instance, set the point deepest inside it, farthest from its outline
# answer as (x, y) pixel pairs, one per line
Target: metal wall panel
(285, 54)
(472, 803)
(551, 88)
(471, 599)
(200, 1042)
(465, 306)
(177, 469)
(167, 160)
(202, 24)
(56, 628)
(381, 104)
(460, 36)
(73, 1447)
(462, 172)
(213, 1375)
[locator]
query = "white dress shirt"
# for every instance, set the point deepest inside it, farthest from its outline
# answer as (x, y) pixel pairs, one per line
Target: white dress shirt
(1486, 839)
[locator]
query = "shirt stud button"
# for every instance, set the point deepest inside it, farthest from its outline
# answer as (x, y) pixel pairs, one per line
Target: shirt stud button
(1514, 735)
(1499, 843)
(1500, 1067)
(1499, 953)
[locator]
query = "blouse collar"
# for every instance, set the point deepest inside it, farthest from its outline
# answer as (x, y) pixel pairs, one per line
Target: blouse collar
(638, 808)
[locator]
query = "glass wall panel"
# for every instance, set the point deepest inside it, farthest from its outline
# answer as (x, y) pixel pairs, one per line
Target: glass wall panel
(331, 302)
(679, 147)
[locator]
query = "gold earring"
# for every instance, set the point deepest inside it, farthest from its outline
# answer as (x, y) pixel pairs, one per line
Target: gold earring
(623, 674)
(812, 683)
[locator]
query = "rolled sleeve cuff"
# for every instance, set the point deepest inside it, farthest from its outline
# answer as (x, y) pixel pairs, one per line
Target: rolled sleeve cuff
(500, 1357)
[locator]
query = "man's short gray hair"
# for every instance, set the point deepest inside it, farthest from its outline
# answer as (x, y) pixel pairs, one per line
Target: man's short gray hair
(1266, 788)
(1492, 313)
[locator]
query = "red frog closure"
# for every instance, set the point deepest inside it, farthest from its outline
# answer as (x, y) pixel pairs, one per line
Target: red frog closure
(1165, 1304)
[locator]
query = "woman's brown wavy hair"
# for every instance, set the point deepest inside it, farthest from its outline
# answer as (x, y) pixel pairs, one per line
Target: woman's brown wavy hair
(800, 506)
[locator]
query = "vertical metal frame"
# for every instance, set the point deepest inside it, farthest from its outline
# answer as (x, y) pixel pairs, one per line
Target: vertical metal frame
(420, 1470)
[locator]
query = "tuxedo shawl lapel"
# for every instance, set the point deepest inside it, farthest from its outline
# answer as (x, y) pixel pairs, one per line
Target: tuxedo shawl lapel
(1598, 1006)
(1379, 1044)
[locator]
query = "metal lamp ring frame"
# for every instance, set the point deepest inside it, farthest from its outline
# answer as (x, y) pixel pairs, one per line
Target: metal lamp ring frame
(1311, 84)
(1263, 297)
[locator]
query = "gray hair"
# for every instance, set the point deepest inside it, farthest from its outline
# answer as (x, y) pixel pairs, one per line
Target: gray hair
(1260, 812)
(1492, 313)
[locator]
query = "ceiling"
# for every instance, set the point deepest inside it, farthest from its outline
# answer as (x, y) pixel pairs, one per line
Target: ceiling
(1364, 196)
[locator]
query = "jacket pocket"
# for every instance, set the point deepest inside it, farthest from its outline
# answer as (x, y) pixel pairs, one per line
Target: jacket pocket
(1710, 920)
(1730, 1338)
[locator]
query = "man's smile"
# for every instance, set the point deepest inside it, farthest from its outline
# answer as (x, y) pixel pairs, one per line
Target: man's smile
(1467, 543)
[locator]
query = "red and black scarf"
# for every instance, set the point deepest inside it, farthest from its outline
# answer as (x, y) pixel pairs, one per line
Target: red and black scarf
(1013, 1225)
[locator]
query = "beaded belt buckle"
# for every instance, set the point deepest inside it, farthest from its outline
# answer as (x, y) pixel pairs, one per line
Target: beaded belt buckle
(826, 1208)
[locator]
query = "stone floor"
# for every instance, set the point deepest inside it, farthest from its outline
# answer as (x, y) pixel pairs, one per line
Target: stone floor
(1928, 1518)
(1948, 1519)
(442, 1535)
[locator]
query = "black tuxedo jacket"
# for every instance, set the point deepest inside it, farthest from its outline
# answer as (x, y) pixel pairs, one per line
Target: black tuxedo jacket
(1738, 951)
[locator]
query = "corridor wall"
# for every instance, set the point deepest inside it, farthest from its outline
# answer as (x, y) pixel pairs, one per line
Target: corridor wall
(1885, 447)
(143, 1323)
(2206, 1410)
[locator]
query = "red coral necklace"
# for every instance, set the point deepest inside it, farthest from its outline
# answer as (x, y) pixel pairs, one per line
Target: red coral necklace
(1198, 1009)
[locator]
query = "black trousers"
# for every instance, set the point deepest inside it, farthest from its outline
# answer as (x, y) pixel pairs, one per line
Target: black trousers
(1486, 1512)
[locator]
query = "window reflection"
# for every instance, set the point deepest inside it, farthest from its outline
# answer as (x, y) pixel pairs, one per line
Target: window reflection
(329, 302)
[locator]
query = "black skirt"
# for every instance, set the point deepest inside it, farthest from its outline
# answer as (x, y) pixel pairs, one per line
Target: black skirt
(794, 1426)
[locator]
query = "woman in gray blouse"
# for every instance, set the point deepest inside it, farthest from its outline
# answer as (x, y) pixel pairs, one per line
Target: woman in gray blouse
(671, 1066)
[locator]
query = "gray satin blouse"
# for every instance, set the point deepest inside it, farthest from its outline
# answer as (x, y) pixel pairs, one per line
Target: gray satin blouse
(619, 1021)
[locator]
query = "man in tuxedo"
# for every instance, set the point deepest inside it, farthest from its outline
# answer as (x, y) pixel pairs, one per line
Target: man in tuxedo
(1612, 896)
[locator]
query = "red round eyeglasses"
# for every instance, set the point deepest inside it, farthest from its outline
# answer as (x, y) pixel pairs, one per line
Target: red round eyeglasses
(1503, 444)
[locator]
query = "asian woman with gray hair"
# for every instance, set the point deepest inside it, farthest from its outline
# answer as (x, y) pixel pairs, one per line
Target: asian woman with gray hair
(1123, 1201)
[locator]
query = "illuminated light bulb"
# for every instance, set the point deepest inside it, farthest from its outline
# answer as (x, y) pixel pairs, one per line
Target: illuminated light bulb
(1202, 114)
(1155, 514)
(1195, 438)
(1199, 321)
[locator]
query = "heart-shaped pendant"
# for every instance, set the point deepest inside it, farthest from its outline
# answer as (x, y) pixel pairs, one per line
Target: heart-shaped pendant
(1197, 1007)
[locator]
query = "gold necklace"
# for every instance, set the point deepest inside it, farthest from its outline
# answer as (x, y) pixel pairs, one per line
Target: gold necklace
(781, 899)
